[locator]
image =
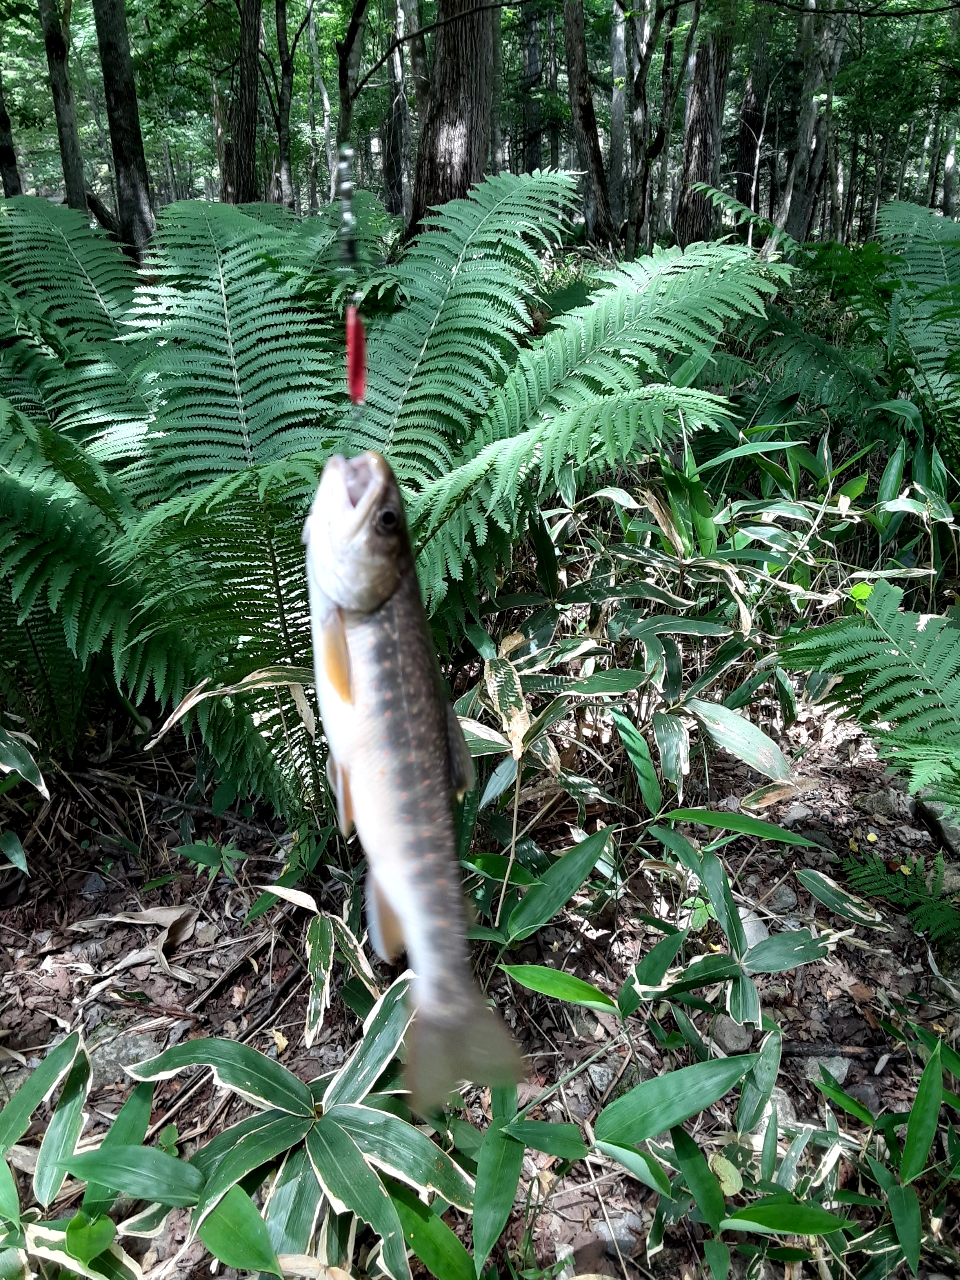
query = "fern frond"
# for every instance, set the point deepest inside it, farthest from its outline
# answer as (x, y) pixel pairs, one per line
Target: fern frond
(928, 910)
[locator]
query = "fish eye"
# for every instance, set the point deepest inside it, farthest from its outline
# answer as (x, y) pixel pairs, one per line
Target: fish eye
(388, 520)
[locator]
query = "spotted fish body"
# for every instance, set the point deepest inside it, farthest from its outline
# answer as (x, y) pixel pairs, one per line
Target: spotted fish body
(396, 758)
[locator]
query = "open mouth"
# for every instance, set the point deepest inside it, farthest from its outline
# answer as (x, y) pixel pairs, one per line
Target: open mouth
(363, 480)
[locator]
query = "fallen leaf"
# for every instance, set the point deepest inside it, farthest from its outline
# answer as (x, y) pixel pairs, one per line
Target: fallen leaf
(279, 1039)
(238, 996)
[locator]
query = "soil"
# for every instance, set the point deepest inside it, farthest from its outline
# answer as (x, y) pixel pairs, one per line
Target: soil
(103, 847)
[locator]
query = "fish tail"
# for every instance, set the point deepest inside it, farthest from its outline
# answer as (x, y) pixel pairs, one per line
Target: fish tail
(473, 1044)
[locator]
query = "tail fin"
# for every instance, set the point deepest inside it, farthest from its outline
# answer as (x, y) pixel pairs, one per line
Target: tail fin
(474, 1046)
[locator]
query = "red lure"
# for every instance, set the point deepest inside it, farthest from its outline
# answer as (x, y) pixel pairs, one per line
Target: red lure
(356, 356)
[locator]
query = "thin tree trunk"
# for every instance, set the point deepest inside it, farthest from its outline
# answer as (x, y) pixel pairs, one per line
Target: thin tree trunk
(935, 153)
(285, 56)
(419, 71)
(134, 209)
(596, 198)
(618, 112)
(878, 186)
(348, 66)
(850, 195)
(496, 128)
(950, 172)
(554, 129)
(696, 216)
(396, 151)
(752, 119)
(902, 171)
(8, 156)
(55, 40)
(647, 24)
(670, 91)
(455, 138)
(243, 180)
(314, 146)
(529, 84)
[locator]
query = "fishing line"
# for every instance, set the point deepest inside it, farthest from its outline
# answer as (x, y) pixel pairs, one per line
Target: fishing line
(355, 333)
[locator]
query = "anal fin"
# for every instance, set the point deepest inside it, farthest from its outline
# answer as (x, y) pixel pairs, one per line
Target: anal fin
(339, 781)
(386, 932)
(336, 655)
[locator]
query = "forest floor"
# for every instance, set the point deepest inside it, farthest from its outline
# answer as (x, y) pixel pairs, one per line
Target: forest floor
(85, 942)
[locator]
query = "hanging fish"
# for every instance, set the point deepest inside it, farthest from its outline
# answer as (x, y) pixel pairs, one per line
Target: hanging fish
(397, 756)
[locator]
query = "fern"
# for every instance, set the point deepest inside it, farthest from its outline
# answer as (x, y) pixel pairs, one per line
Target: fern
(928, 910)
(897, 669)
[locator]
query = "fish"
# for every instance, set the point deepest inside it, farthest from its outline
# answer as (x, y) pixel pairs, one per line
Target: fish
(396, 759)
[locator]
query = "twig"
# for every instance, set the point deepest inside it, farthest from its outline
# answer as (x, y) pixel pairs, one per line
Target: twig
(134, 786)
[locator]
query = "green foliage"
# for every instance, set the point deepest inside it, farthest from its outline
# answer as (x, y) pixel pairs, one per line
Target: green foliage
(907, 888)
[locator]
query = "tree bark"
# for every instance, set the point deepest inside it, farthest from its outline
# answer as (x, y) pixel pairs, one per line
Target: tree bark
(134, 211)
(455, 137)
(696, 216)
(647, 23)
(285, 55)
(419, 71)
(950, 173)
(8, 156)
(753, 114)
(396, 130)
(596, 197)
(496, 104)
(618, 112)
(242, 177)
(529, 84)
(55, 39)
(348, 66)
(669, 92)
(554, 127)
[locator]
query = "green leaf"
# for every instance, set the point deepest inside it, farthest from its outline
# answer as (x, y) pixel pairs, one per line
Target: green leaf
(758, 1083)
(742, 739)
(383, 1030)
(563, 1140)
(557, 886)
(10, 846)
(499, 1164)
(350, 1184)
(9, 1197)
(741, 822)
(236, 1234)
(659, 1104)
(294, 1205)
(783, 951)
(15, 758)
(718, 1258)
(260, 1080)
(128, 1130)
(559, 985)
(650, 972)
(493, 866)
(614, 682)
(636, 748)
(403, 1151)
(243, 1148)
(64, 1129)
(924, 1114)
(87, 1237)
(904, 1210)
(673, 743)
(15, 1116)
(830, 1088)
(779, 1215)
(142, 1172)
(320, 942)
(838, 900)
(641, 1164)
(701, 1183)
(429, 1237)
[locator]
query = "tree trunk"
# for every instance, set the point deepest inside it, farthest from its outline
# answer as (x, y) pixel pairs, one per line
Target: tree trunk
(455, 138)
(696, 216)
(396, 148)
(348, 67)
(8, 156)
(950, 172)
(596, 198)
(134, 211)
(850, 195)
(529, 85)
(669, 92)
(328, 148)
(904, 160)
(55, 38)
(935, 153)
(554, 128)
(753, 114)
(496, 129)
(419, 72)
(618, 113)
(285, 55)
(647, 23)
(242, 185)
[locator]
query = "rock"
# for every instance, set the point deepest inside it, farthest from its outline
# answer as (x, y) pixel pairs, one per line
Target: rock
(866, 1094)
(730, 1036)
(730, 803)
(838, 1068)
(884, 803)
(112, 1050)
(786, 1112)
(754, 930)
(783, 898)
(93, 886)
(795, 813)
(601, 1077)
(944, 826)
(628, 1231)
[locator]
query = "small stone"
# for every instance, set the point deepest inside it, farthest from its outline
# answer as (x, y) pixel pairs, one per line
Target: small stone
(786, 1112)
(114, 1050)
(885, 803)
(628, 1231)
(948, 831)
(783, 898)
(795, 813)
(730, 803)
(754, 930)
(731, 1036)
(93, 886)
(866, 1094)
(837, 1066)
(601, 1077)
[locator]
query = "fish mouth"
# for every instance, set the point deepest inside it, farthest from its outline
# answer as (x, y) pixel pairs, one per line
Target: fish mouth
(364, 479)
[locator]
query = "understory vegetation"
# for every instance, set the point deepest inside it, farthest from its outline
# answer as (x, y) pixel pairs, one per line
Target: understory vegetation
(660, 507)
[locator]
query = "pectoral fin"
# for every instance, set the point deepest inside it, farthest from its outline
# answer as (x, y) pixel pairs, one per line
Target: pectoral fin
(339, 781)
(386, 932)
(463, 776)
(336, 655)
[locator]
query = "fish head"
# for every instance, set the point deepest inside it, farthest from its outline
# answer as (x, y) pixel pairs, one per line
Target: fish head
(356, 533)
